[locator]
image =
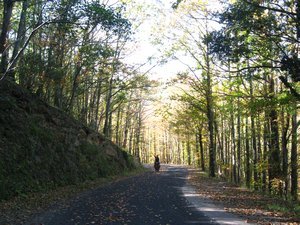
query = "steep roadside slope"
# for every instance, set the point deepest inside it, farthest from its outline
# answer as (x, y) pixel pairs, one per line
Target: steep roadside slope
(42, 148)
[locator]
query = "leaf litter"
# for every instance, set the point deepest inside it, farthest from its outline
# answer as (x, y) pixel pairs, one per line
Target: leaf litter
(253, 206)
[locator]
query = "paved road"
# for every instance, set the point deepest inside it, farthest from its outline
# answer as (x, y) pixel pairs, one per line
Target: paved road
(148, 199)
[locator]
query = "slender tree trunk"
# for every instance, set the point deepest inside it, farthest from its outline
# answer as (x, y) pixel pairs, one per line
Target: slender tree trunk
(223, 147)
(99, 88)
(201, 149)
(178, 150)
(248, 169)
(259, 161)
(239, 143)
(7, 14)
(20, 36)
(211, 136)
(265, 153)
(285, 121)
(274, 156)
(138, 131)
(197, 148)
(130, 144)
(127, 125)
(253, 138)
(226, 148)
(294, 158)
(233, 147)
(75, 85)
(202, 152)
(119, 119)
(106, 127)
(189, 150)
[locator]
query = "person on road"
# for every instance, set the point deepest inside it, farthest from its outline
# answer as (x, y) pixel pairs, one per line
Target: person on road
(156, 163)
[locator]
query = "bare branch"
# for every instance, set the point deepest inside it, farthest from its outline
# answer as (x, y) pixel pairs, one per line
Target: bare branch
(14, 60)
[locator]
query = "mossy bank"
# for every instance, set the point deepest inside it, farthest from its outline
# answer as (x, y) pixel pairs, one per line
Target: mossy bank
(41, 147)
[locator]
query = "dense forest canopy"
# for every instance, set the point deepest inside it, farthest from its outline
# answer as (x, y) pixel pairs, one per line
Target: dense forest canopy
(231, 109)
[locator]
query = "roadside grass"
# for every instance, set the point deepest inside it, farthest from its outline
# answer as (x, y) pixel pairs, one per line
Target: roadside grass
(289, 207)
(253, 206)
(19, 209)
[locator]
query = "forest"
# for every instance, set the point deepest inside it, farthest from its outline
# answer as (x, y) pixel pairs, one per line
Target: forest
(231, 112)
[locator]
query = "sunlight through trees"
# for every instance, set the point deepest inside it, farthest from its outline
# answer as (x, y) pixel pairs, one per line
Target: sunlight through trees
(230, 109)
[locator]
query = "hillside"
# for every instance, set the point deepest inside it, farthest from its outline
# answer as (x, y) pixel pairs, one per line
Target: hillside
(41, 147)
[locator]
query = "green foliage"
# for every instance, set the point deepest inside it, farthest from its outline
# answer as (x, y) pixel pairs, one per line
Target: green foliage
(255, 30)
(292, 66)
(286, 208)
(38, 150)
(110, 19)
(277, 186)
(94, 163)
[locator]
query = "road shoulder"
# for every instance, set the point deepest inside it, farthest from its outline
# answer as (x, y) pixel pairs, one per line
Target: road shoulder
(215, 212)
(249, 206)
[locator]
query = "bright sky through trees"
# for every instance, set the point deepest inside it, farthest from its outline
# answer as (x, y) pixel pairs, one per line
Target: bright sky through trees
(147, 51)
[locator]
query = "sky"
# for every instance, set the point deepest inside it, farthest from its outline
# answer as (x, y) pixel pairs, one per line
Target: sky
(145, 34)
(146, 49)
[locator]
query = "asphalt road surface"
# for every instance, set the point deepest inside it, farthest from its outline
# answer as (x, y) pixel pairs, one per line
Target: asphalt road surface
(148, 199)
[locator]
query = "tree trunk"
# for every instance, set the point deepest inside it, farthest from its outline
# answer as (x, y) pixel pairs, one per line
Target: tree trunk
(248, 170)
(106, 127)
(198, 156)
(75, 85)
(127, 124)
(138, 131)
(259, 161)
(20, 35)
(265, 153)
(233, 147)
(99, 88)
(119, 119)
(189, 150)
(274, 156)
(7, 13)
(253, 138)
(284, 141)
(210, 117)
(239, 143)
(294, 158)
(202, 152)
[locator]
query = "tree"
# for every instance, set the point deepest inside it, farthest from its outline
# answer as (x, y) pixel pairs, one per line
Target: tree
(263, 34)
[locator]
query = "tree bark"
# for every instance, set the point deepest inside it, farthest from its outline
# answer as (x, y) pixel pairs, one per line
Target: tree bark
(294, 158)
(119, 118)
(7, 14)
(248, 169)
(274, 156)
(239, 143)
(20, 36)
(233, 146)
(106, 127)
(253, 138)
(285, 122)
